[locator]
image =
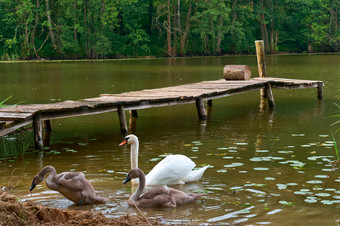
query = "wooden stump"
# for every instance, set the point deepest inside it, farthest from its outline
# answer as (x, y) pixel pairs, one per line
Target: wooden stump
(236, 72)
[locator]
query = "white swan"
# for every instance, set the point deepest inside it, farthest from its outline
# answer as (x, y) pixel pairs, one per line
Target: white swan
(174, 169)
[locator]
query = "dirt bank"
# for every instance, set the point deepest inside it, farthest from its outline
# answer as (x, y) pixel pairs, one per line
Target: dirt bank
(17, 213)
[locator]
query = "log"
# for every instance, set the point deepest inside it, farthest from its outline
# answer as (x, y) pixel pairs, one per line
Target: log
(236, 72)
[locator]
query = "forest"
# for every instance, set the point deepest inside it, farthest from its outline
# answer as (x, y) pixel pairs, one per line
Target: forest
(104, 29)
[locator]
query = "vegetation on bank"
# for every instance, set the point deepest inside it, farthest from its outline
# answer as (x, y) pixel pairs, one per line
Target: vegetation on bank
(94, 29)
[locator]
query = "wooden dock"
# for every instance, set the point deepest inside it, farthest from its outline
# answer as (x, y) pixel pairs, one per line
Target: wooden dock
(13, 118)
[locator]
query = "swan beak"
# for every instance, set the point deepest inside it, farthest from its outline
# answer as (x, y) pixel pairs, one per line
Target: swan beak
(123, 142)
(32, 186)
(127, 179)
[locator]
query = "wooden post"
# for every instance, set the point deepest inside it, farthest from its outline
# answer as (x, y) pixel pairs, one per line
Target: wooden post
(37, 131)
(261, 63)
(47, 125)
(133, 113)
(202, 114)
(209, 103)
(269, 96)
(132, 124)
(122, 120)
(320, 90)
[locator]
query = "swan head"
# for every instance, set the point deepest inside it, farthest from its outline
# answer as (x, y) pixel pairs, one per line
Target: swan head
(134, 173)
(129, 139)
(36, 180)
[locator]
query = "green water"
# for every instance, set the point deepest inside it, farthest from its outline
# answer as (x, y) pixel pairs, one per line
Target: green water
(265, 166)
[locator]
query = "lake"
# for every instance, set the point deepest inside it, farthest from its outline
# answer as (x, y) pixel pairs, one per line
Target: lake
(264, 165)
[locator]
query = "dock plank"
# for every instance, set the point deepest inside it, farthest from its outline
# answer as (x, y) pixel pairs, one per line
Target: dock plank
(11, 116)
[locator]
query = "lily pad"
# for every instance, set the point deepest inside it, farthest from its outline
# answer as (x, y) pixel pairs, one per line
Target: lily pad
(234, 164)
(287, 203)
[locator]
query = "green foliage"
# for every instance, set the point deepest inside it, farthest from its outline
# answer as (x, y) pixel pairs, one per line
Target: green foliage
(30, 29)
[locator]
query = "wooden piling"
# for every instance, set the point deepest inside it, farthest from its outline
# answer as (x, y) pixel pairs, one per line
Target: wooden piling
(47, 125)
(269, 95)
(261, 63)
(209, 103)
(38, 139)
(202, 114)
(320, 90)
(133, 113)
(122, 120)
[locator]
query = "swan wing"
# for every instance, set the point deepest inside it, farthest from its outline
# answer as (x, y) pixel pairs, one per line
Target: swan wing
(195, 175)
(71, 180)
(171, 170)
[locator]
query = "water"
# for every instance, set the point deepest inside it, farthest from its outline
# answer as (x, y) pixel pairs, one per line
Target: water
(265, 166)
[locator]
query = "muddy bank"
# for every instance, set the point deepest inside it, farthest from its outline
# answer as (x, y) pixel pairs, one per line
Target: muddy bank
(16, 213)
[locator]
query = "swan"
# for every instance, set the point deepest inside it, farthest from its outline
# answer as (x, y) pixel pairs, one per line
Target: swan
(72, 185)
(174, 169)
(162, 196)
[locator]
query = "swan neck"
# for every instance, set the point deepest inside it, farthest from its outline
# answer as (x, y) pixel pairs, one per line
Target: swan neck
(140, 188)
(48, 170)
(134, 154)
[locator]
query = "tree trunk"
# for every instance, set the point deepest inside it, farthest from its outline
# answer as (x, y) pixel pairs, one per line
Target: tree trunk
(264, 33)
(175, 29)
(50, 28)
(169, 29)
(34, 29)
(75, 21)
(219, 36)
(85, 29)
(186, 31)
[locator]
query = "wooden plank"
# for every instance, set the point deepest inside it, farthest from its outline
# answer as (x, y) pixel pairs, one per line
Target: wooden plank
(13, 126)
(12, 116)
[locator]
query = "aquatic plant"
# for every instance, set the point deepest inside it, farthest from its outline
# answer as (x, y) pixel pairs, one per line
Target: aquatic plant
(2, 102)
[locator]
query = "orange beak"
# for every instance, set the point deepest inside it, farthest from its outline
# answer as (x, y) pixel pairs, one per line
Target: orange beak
(123, 142)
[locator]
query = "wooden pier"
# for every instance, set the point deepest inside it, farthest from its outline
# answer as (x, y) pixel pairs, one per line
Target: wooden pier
(15, 117)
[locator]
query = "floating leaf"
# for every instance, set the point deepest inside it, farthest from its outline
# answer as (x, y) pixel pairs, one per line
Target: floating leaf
(311, 200)
(314, 182)
(262, 151)
(221, 171)
(269, 178)
(154, 159)
(286, 203)
(261, 168)
(298, 135)
(327, 202)
(323, 194)
(234, 164)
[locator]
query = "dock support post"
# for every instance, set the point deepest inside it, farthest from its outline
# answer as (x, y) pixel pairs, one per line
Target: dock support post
(209, 103)
(269, 96)
(320, 90)
(47, 125)
(38, 139)
(133, 113)
(202, 114)
(122, 120)
(261, 62)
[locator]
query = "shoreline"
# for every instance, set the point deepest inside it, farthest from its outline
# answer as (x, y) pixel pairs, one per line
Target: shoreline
(161, 57)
